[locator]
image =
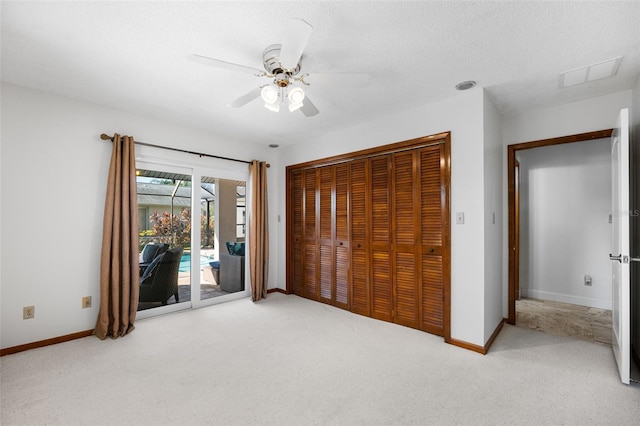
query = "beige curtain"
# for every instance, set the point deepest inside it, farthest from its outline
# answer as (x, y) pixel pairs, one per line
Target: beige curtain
(258, 231)
(119, 276)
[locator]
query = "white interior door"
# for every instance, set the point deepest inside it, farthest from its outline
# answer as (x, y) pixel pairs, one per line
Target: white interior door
(620, 255)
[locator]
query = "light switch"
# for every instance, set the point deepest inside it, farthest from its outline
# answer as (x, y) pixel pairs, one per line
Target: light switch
(459, 218)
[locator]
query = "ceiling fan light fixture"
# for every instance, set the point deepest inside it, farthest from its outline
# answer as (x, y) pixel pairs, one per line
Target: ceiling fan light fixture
(270, 94)
(295, 97)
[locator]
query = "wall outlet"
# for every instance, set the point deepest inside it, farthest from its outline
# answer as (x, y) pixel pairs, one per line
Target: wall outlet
(587, 280)
(459, 218)
(86, 302)
(28, 312)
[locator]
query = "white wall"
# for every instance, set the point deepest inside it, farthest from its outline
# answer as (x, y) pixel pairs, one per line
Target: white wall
(565, 194)
(578, 117)
(53, 173)
(493, 218)
(462, 115)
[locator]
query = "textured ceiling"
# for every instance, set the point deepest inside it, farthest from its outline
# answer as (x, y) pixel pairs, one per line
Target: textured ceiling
(132, 56)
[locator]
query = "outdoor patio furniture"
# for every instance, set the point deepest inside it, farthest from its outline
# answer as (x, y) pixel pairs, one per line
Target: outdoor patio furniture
(212, 272)
(160, 279)
(150, 252)
(231, 273)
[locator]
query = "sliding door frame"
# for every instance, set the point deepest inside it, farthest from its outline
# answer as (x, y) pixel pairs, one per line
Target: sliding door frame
(220, 169)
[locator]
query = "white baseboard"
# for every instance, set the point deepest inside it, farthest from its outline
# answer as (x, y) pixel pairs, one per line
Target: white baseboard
(566, 298)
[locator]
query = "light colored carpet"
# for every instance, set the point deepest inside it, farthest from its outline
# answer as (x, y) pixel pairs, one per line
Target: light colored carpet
(290, 361)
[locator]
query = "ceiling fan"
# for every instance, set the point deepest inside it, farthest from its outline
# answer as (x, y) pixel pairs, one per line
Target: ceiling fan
(282, 66)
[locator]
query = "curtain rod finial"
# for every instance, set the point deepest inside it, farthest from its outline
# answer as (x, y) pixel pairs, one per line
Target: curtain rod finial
(105, 137)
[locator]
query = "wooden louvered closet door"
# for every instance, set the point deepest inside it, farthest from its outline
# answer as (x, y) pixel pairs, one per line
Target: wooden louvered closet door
(433, 225)
(325, 231)
(310, 256)
(370, 234)
(341, 237)
(333, 235)
(297, 225)
(321, 234)
(404, 236)
(379, 246)
(360, 283)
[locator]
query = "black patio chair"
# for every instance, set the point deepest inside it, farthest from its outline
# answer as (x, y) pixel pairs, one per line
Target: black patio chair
(160, 280)
(150, 252)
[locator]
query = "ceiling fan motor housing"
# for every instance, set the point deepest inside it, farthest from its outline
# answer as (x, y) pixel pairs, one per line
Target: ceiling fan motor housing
(271, 60)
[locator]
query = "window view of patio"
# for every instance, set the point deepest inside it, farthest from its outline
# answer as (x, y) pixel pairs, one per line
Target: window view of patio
(165, 238)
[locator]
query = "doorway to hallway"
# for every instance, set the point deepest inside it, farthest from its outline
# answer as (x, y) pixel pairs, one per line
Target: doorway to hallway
(515, 210)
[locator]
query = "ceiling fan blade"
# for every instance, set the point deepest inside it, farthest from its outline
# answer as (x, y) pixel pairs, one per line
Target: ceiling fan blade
(218, 63)
(296, 36)
(339, 79)
(308, 108)
(245, 99)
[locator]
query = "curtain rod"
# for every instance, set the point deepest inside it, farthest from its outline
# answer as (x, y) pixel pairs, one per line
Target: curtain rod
(106, 137)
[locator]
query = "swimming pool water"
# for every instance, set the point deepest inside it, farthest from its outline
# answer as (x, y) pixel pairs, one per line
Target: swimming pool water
(185, 262)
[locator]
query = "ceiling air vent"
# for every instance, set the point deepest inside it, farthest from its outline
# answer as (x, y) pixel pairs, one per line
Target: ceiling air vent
(592, 72)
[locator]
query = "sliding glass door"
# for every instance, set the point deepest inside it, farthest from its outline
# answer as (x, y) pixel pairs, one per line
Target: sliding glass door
(175, 273)
(222, 246)
(164, 235)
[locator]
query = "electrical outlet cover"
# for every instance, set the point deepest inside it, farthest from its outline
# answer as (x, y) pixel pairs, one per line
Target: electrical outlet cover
(28, 312)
